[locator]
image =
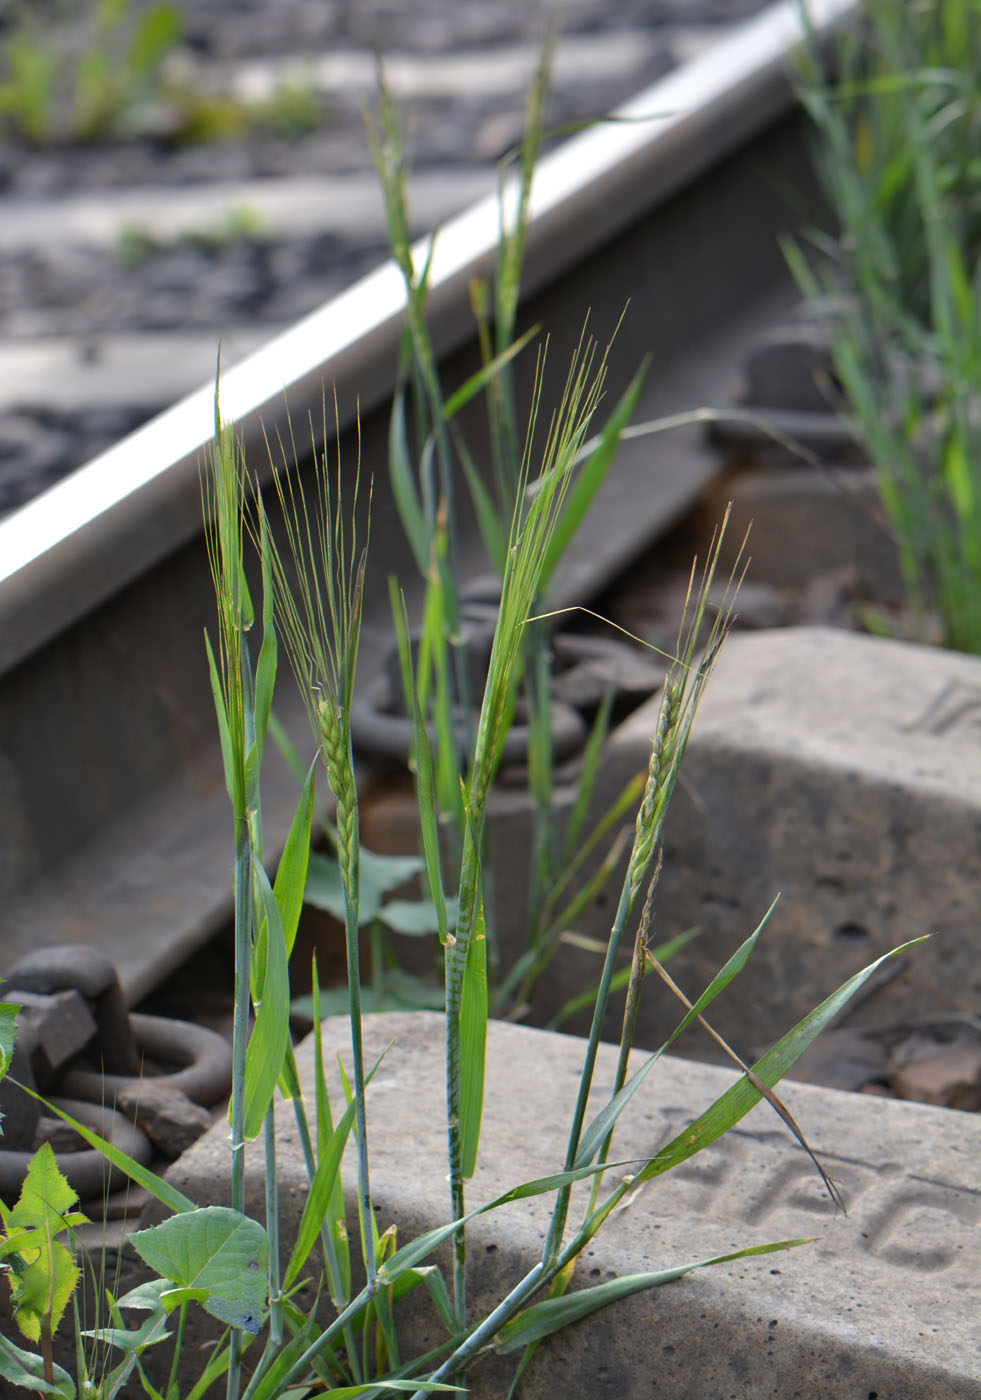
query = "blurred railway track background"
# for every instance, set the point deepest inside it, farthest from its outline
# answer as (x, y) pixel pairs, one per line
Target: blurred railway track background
(124, 260)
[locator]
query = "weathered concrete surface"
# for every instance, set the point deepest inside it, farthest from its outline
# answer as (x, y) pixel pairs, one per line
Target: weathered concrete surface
(884, 1301)
(844, 773)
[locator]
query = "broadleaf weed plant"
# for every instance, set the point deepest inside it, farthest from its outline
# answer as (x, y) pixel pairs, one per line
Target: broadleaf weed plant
(897, 127)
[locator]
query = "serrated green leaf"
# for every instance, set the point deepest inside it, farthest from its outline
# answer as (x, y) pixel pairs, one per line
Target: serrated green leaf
(23, 1368)
(214, 1250)
(45, 1279)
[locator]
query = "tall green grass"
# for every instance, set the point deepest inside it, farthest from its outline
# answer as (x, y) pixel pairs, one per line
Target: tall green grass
(897, 124)
(311, 567)
(431, 457)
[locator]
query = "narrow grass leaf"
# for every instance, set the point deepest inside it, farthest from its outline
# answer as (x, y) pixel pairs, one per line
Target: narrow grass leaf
(221, 714)
(291, 874)
(601, 1126)
(424, 774)
(488, 520)
(335, 1221)
(542, 1319)
(416, 1250)
(473, 1043)
(736, 1102)
(379, 1388)
(404, 490)
(440, 1294)
(265, 674)
(287, 749)
(266, 1049)
(322, 1186)
(479, 380)
(289, 1080)
(156, 1185)
(721, 980)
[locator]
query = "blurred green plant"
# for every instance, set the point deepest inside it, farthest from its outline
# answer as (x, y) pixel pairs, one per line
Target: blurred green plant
(89, 84)
(104, 70)
(897, 115)
(136, 244)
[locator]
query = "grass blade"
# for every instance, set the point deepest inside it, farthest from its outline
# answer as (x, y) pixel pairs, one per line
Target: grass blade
(268, 1042)
(404, 490)
(542, 1319)
(156, 1185)
(322, 1187)
(736, 1102)
(479, 380)
(473, 1045)
(291, 875)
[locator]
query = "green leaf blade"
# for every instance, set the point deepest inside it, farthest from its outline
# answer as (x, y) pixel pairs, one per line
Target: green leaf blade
(542, 1319)
(291, 874)
(266, 1051)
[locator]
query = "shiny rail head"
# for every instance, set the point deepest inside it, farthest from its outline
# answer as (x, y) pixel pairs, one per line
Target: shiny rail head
(90, 535)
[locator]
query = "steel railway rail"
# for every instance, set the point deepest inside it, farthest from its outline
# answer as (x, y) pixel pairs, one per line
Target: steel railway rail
(113, 820)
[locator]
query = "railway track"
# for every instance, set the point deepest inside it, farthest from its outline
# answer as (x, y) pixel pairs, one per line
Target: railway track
(113, 822)
(122, 264)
